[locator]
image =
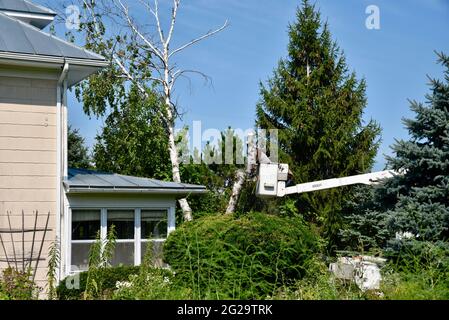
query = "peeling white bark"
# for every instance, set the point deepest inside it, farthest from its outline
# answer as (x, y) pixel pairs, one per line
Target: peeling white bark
(240, 178)
(241, 175)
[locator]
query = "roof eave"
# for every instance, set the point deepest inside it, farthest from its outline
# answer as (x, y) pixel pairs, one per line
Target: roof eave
(86, 67)
(162, 191)
(39, 60)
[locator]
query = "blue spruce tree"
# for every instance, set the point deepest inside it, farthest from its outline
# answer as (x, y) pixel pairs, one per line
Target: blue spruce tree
(417, 203)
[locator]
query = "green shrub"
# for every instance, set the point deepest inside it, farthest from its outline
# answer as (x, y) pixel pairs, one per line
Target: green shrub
(107, 276)
(419, 270)
(414, 254)
(17, 285)
(248, 257)
(151, 284)
(416, 286)
(319, 284)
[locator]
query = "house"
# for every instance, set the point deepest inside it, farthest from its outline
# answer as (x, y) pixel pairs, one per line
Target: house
(39, 195)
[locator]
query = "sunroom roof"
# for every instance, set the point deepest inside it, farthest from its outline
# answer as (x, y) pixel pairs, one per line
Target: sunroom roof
(88, 181)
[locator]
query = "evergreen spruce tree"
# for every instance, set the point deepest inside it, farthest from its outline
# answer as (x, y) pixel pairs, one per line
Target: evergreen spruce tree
(416, 204)
(78, 156)
(317, 105)
(421, 197)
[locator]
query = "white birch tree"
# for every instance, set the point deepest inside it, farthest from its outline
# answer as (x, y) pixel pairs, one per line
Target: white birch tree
(143, 55)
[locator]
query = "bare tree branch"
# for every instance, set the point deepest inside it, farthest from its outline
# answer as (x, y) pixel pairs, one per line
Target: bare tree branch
(173, 21)
(136, 30)
(181, 73)
(194, 41)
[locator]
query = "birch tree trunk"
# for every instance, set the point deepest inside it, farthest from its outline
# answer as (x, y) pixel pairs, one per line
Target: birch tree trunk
(240, 178)
(174, 158)
(242, 174)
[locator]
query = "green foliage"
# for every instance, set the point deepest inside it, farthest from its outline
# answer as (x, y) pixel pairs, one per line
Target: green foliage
(215, 170)
(100, 255)
(17, 285)
(108, 277)
(53, 263)
(418, 271)
(133, 140)
(412, 255)
(365, 225)
(77, 151)
(134, 131)
(421, 197)
(317, 105)
(319, 284)
(417, 202)
(224, 257)
(151, 283)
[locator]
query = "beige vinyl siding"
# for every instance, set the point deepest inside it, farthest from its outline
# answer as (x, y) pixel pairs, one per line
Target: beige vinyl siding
(27, 162)
(27, 169)
(29, 207)
(27, 144)
(30, 182)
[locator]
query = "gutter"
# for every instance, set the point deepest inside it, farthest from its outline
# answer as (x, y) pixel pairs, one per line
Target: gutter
(134, 191)
(37, 60)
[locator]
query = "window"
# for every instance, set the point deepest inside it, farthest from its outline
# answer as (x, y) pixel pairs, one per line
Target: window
(136, 231)
(154, 229)
(85, 228)
(124, 223)
(154, 224)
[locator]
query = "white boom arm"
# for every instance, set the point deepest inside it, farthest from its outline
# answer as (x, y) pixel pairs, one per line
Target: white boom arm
(368, 179)
(272, 179)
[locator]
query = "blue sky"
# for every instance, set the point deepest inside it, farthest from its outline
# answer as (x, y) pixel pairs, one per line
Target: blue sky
(394, 60)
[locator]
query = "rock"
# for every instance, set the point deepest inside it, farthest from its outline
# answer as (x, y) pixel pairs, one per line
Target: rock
(363, 270)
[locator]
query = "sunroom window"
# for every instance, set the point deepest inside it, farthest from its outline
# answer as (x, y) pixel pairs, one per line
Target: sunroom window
(153, 228)
(136, 230)
(85, 228)
(124, 223)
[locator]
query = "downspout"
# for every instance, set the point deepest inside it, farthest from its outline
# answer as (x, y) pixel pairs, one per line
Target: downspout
(60, 91)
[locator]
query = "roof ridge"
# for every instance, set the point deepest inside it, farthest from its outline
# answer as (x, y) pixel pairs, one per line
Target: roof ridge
(18, 21)
(27, 7)
(48, 10)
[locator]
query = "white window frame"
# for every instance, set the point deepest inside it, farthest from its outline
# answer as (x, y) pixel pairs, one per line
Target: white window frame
(103, 230)
(69, 235)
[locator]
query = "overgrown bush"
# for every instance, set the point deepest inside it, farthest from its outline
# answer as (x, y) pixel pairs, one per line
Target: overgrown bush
(319, 284)
(17, 285)
(409, 253)
(247, 257)
(151, 284)
(107, 276)
(418, 270)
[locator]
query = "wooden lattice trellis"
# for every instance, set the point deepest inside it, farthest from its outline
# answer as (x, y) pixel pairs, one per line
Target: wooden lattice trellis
(18, 258)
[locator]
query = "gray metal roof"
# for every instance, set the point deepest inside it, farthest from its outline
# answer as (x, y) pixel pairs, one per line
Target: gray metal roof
(24, 6)
(22, 38)
(88, 181)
